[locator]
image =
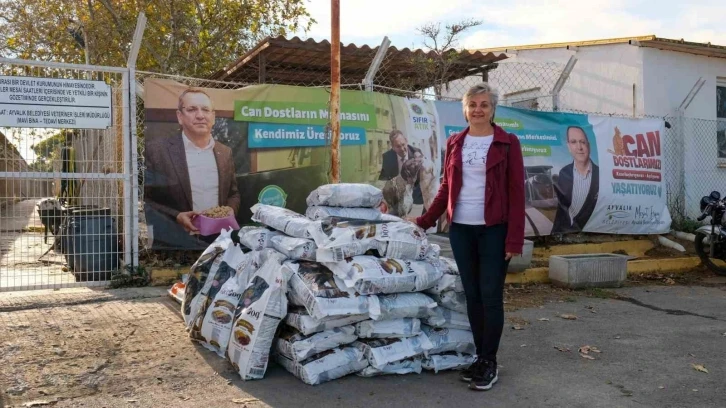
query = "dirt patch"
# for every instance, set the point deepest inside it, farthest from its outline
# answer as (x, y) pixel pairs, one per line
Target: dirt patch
(660, 251)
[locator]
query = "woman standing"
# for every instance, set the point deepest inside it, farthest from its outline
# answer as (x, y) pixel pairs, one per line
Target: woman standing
(482, 193)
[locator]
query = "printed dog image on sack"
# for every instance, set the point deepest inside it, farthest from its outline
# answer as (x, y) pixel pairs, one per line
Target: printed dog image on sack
(411, 365)
(319, 213)
(263, 304)
(400, 305)
(295, 248)
(371, 275)
(450, 279)
(448, 361)
(207, 263)
(443, 340)
(380, 352)
(326, 366)
(346, 195)
(257, 238)
(451, 300)
(314, 286)
(282, 219)
(297, 346)
(299, 318)
(394, 328)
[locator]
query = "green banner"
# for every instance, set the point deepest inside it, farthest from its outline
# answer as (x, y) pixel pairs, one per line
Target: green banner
(304, 113)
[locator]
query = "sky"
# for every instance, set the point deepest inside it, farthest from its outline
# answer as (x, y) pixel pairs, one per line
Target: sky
(517, 22)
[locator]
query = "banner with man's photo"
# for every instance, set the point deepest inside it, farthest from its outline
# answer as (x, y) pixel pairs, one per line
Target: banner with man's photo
(584, 173)
(270, 146)
(213, 150)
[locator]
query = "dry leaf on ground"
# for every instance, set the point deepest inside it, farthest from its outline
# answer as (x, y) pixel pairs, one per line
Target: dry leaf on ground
(563, 349)
(568, 317)
(588, 349)
(38, 403)
(587, 356)
(699, 367)
(544, 319)
(244, 400)
(517, 327)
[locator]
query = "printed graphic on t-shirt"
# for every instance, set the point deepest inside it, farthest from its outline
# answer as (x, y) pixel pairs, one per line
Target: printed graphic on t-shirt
(475, 152)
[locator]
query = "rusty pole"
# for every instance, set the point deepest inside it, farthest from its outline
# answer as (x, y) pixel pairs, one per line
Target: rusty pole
(335, 90)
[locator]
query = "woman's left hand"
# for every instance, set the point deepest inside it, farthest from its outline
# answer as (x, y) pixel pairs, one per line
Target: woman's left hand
(509, 256)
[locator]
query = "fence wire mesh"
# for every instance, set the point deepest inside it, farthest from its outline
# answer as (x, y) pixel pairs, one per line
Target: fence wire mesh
(62, 212)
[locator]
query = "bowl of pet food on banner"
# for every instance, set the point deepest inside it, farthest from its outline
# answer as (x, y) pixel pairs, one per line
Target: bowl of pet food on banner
(214, 220)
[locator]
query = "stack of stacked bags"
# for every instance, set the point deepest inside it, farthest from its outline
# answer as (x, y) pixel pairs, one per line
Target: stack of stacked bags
(345, 290)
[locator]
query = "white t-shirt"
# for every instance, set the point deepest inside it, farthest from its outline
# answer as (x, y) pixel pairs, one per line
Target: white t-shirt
(203, 175)
(470, 204)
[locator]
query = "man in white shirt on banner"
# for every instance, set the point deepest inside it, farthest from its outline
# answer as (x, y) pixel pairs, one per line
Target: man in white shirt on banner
(577, 186)
(188, 173)
(394, 159)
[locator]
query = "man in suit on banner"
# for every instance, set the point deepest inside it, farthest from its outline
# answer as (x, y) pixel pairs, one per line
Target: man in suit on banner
(394, 159)
(187, 174)
(577, 186)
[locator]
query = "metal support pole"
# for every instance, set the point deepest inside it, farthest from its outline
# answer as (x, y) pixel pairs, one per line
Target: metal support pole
(561, 82)
(692, 94)
(376, 64)
(335, 90)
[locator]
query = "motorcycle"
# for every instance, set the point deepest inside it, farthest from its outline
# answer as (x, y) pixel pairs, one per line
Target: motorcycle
(711, 239)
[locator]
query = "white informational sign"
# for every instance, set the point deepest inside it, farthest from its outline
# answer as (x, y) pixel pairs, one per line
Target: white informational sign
(54, 103)
(632, 197)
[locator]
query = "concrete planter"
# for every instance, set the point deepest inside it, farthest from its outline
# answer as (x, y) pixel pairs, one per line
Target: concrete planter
(589, 270)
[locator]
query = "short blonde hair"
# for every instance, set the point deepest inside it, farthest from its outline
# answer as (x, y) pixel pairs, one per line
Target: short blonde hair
(478, 89)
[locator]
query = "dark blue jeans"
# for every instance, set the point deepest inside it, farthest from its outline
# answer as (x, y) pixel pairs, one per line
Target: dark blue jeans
(479, 252)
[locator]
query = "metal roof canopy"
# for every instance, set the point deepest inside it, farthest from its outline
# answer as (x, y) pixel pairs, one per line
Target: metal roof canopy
(296, 62)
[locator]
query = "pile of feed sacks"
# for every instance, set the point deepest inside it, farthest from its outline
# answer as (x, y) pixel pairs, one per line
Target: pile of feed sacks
(342, 290)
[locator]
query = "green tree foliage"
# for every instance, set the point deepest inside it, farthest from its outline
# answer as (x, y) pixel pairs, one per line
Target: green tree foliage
(186, 37)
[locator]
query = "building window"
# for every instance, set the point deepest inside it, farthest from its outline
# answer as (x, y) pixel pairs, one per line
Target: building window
(721, 117)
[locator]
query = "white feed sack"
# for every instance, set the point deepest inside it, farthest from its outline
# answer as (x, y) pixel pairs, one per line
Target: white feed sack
(448, 361)
(282, 219)
(326, 366)
(443, 340)
(257, 238)
(444, 318)
(254, 261)
(452, 300)
(262, 306)
(299, 318)
(380, 352)
(298, 347)
(207, 263)
(394, 328)
(450, 280)
(323, 294)
(320, 212)
(346, 195)
(411, 365)
(401, 305)
(295, 248)
(370, 275)
(341, 239)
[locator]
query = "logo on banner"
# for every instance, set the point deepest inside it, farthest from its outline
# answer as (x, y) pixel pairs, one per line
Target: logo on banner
(416, 109)
(273, 195)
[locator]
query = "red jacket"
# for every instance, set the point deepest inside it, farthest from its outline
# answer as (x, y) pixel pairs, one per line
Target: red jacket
(504, 197)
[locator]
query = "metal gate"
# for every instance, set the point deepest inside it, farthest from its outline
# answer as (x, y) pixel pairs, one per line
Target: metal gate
(67, 183)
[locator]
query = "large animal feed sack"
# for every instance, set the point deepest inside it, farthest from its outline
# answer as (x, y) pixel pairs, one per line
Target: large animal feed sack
(340, 239)
(381, 329)
(346, 195)
(299, 318)
(295, 248)
(450, 280)
(326, 366)
(443, 340)
(405, 366)
(257, 238)
(370, 275)
(207, 263)
(282, 219)
(400, 305)
(380, 352)
(225, 308)
(318, 213)
(298, 347)
(448, 361)
(323, 294)
(262, 306)
(444, 318)
(452, 300)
